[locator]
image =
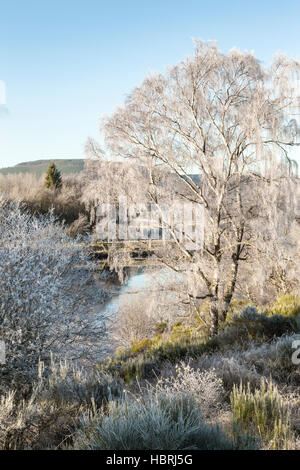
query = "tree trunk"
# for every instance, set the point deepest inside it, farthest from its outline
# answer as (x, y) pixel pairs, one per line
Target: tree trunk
(215, 317)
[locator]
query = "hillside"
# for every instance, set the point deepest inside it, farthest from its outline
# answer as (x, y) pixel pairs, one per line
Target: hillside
(39, 167)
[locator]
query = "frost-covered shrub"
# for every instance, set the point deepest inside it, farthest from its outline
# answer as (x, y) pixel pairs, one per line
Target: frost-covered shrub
(66, 384)
(136, 320)
(47, 293)
(32, 423)
(80, 226)
(205, 386)
(264, 413)
(156, 422)
(48, 415)
(232, 369)
(154, 311)
(275, 359)
(259, 361)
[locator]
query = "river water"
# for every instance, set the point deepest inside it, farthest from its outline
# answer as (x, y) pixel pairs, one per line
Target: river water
(149, 295)
(140, 283)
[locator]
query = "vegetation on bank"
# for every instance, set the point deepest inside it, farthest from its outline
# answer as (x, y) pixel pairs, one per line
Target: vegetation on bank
(180, 389)
(188, 340)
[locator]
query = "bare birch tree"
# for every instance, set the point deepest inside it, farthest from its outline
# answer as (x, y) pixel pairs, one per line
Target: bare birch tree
(231, 121)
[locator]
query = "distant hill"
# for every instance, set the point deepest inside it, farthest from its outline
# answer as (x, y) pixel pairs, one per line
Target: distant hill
(39, 167)
(67, 166)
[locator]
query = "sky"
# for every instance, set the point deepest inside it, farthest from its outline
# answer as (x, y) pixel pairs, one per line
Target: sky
(66, 63)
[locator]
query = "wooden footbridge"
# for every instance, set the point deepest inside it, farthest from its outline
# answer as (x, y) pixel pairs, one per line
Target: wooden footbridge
(136, 252)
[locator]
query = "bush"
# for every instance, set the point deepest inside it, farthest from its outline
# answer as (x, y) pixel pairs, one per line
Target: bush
(279, 363)
(138, 319)
(141, 346)
(69, 385)
(259, 361)
(48, 416)
(34, 423)
(262, 413)
(80, 226)
(251, 325)
(158, 422)
(47, 294)
(287, 305)
(233, 368)
(161, 327)
(204, 386)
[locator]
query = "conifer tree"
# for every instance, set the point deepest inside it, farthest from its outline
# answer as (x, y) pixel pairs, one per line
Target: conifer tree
(53, 177)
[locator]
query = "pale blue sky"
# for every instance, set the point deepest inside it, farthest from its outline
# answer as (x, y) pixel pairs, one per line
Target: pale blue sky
(66, 63)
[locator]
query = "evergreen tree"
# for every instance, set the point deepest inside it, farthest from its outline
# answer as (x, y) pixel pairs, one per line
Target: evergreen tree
(53, 177)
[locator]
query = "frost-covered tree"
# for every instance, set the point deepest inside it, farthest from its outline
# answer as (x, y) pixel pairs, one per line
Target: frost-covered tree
(47, 294)
(104, 180)
(231, 121)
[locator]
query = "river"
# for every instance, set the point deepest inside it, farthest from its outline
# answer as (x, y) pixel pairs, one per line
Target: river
(148, 291)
